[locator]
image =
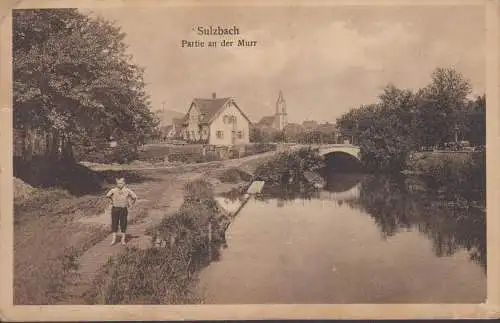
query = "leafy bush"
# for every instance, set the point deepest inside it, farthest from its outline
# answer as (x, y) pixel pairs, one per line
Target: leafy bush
(234, 175)
(122, 154)
(384, 146)
(458, 178)
(290, 166)
(198, 190)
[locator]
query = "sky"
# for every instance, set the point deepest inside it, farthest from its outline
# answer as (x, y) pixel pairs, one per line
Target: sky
(326, 60)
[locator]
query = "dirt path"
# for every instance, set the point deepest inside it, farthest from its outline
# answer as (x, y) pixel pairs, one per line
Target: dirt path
(157, 199)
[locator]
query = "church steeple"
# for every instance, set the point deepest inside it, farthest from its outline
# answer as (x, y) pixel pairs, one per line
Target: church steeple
(281, 114)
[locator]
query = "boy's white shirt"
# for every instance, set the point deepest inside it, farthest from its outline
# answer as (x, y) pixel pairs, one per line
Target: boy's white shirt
(130, 194)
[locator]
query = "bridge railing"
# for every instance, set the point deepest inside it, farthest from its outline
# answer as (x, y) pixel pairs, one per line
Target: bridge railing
(330, 145)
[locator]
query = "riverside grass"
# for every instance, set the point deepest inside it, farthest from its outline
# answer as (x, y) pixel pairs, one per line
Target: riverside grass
(163, 273)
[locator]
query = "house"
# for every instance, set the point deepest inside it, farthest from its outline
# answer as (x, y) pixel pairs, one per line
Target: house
(310, 125)
(293, 131)
(328, 128)
(278, 121)
(166, 132)
(174, 131)
(216, 121)
(267, 122)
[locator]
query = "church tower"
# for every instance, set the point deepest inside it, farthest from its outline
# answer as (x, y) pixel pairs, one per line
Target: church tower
(280, 118)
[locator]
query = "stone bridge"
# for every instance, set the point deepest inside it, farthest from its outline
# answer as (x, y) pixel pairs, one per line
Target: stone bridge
(329, 149)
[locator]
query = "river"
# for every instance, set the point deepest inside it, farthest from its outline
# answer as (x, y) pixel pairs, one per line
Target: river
(362, 239)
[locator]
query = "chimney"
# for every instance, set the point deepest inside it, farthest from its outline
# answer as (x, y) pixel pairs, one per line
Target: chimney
(214, 96)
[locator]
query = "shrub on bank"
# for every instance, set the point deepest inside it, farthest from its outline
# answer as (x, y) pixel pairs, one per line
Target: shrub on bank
(453, 176)
(198, 190)
(123, 153)
(290, 166)
(150, 276)
(458, 178)
(258, 148)
(234, 175)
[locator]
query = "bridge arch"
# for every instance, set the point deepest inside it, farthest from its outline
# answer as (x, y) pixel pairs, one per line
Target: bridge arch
(337, 154)
(353, 151)
(342, 157)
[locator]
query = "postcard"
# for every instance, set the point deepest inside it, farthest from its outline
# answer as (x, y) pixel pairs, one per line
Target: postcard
(249, 160)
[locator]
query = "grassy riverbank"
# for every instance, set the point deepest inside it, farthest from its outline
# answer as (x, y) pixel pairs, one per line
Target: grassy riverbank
(59, 219)
(182, 245)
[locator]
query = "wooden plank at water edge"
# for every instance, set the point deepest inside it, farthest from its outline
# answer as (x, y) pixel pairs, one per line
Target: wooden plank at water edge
(256, 187)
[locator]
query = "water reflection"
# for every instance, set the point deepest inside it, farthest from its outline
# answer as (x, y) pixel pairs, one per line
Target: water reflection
(399, 204)
(294, 244)
(395, 205)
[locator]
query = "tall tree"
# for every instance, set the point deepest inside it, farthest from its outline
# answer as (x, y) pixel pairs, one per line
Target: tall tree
(442, 107)
(385, 129)
(74, 79)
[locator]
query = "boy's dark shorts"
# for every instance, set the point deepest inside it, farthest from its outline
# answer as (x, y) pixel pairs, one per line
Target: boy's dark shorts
(119, 215)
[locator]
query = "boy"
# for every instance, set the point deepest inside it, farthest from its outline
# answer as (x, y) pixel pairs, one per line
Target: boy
(120, 197)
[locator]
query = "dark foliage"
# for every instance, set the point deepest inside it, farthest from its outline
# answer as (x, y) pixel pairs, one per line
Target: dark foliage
(289, 166)
(404, 121)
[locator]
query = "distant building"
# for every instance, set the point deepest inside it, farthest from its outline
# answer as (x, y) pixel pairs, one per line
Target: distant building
(327, 127)
(309, 125)
(281, 116)
(293, 131)
(216, 121)
(279, 120)
(172, 131)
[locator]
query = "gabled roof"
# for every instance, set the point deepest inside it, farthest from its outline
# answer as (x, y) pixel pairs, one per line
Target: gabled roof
(267, 121)
(167, 129)
(211, 108)
(178, 121)
(326, 127)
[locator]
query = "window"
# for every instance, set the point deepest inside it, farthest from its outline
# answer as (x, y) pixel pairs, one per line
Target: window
(229, 119)
(240, 134)
(220, 134)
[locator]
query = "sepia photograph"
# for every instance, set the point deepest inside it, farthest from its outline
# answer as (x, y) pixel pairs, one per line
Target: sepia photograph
(244, 154)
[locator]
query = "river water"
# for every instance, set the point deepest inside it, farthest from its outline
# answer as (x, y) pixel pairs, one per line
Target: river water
(362, 239)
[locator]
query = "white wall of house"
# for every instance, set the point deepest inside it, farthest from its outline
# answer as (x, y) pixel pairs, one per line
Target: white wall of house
(221, 129)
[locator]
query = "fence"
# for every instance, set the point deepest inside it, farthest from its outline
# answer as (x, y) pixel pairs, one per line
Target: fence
(199, 153)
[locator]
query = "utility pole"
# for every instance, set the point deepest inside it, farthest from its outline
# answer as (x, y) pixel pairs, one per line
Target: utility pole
(163, 111)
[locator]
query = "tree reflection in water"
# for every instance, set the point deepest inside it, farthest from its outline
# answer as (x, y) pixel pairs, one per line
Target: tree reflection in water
(402, 203)
(397, 203)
